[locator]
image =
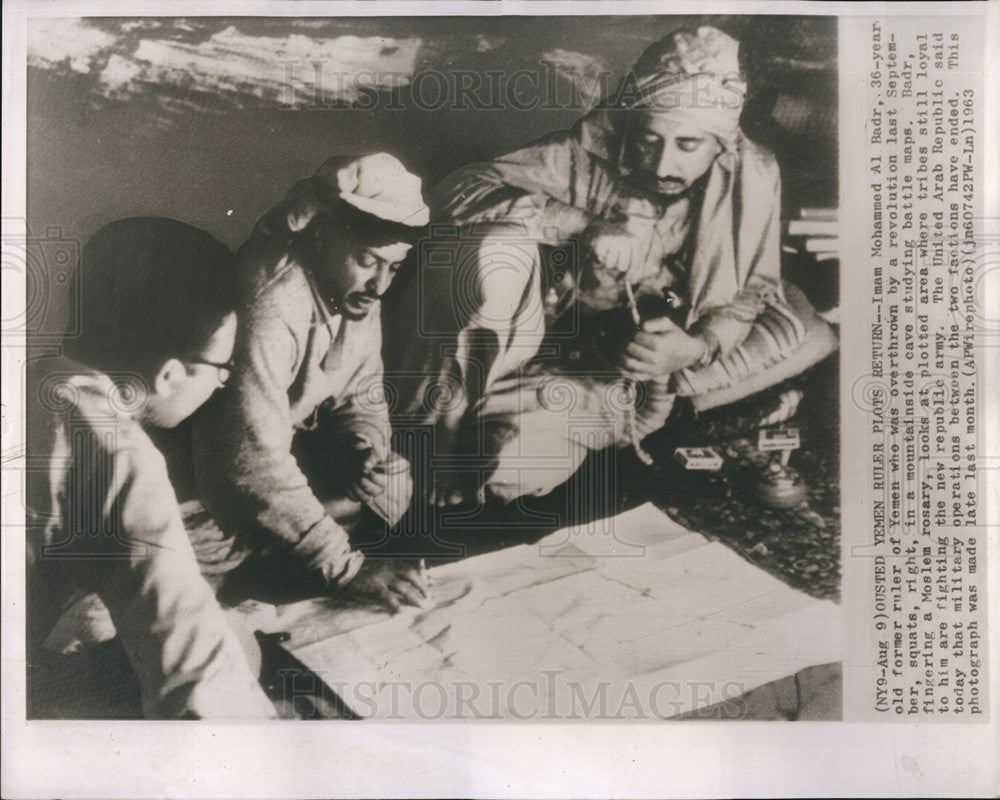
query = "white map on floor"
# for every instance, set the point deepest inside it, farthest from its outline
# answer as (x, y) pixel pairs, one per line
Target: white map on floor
(652, 621)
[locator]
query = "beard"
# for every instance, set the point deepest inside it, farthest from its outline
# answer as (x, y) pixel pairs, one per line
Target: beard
(357, 305)
(662, 192)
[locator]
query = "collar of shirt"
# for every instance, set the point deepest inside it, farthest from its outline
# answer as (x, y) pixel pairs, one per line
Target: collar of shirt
(333, 322)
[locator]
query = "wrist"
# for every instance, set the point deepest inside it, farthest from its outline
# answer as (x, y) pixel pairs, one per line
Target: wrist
(352, 566)
(710, 348)
(337, 564)
(561, 221)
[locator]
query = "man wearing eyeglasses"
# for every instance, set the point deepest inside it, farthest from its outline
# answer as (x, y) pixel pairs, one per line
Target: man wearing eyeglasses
(303, 424)
(108, 554)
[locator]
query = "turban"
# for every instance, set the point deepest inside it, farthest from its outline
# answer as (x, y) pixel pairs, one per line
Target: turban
(694, 76)
(380, 185)
(377, 184)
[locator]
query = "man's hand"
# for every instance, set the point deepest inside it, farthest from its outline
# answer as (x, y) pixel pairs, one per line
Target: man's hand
(631, 251)
(660, 348)
(366, 477)
(454, 487)
(391, 583)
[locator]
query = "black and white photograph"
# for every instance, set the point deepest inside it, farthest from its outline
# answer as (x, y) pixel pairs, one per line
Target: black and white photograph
(492, 362)
(449, 369)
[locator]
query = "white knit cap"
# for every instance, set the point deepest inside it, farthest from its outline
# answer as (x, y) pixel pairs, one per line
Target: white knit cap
(378, 184)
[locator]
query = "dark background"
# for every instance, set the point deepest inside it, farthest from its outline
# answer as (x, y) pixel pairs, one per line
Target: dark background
(183, 139)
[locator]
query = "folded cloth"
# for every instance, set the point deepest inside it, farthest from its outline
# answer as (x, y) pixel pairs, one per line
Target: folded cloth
(86, 621)
(786, 339)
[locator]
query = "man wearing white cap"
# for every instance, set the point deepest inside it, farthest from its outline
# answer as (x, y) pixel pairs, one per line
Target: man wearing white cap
(677, 216)
(303, 422)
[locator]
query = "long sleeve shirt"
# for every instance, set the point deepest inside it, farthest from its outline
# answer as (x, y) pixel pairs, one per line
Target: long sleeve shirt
(103, 518)
(291, 356)
(554, 187)
(486, 302)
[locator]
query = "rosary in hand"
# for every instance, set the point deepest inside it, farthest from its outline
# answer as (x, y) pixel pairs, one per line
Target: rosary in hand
(631, 394)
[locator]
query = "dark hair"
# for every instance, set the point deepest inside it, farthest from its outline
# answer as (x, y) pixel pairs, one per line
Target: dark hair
(150, 289)
(344, 228)
(359, 229)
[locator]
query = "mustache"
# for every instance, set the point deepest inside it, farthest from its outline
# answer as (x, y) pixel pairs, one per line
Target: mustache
(651, 183)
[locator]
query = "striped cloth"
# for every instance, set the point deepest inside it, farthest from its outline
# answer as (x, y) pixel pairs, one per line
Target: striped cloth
(785, 339)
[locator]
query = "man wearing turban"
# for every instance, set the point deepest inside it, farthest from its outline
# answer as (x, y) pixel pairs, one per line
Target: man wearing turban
(659, 204)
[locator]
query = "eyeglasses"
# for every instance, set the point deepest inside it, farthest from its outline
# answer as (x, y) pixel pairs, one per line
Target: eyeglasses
(224, 368)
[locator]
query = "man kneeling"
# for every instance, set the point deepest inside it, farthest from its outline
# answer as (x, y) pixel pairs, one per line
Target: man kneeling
(304, 425)
(157, 328)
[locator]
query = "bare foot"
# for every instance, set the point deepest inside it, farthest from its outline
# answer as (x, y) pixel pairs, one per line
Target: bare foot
(788, 404)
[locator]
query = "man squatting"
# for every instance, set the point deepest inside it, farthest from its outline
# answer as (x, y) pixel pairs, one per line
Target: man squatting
(672, 202)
